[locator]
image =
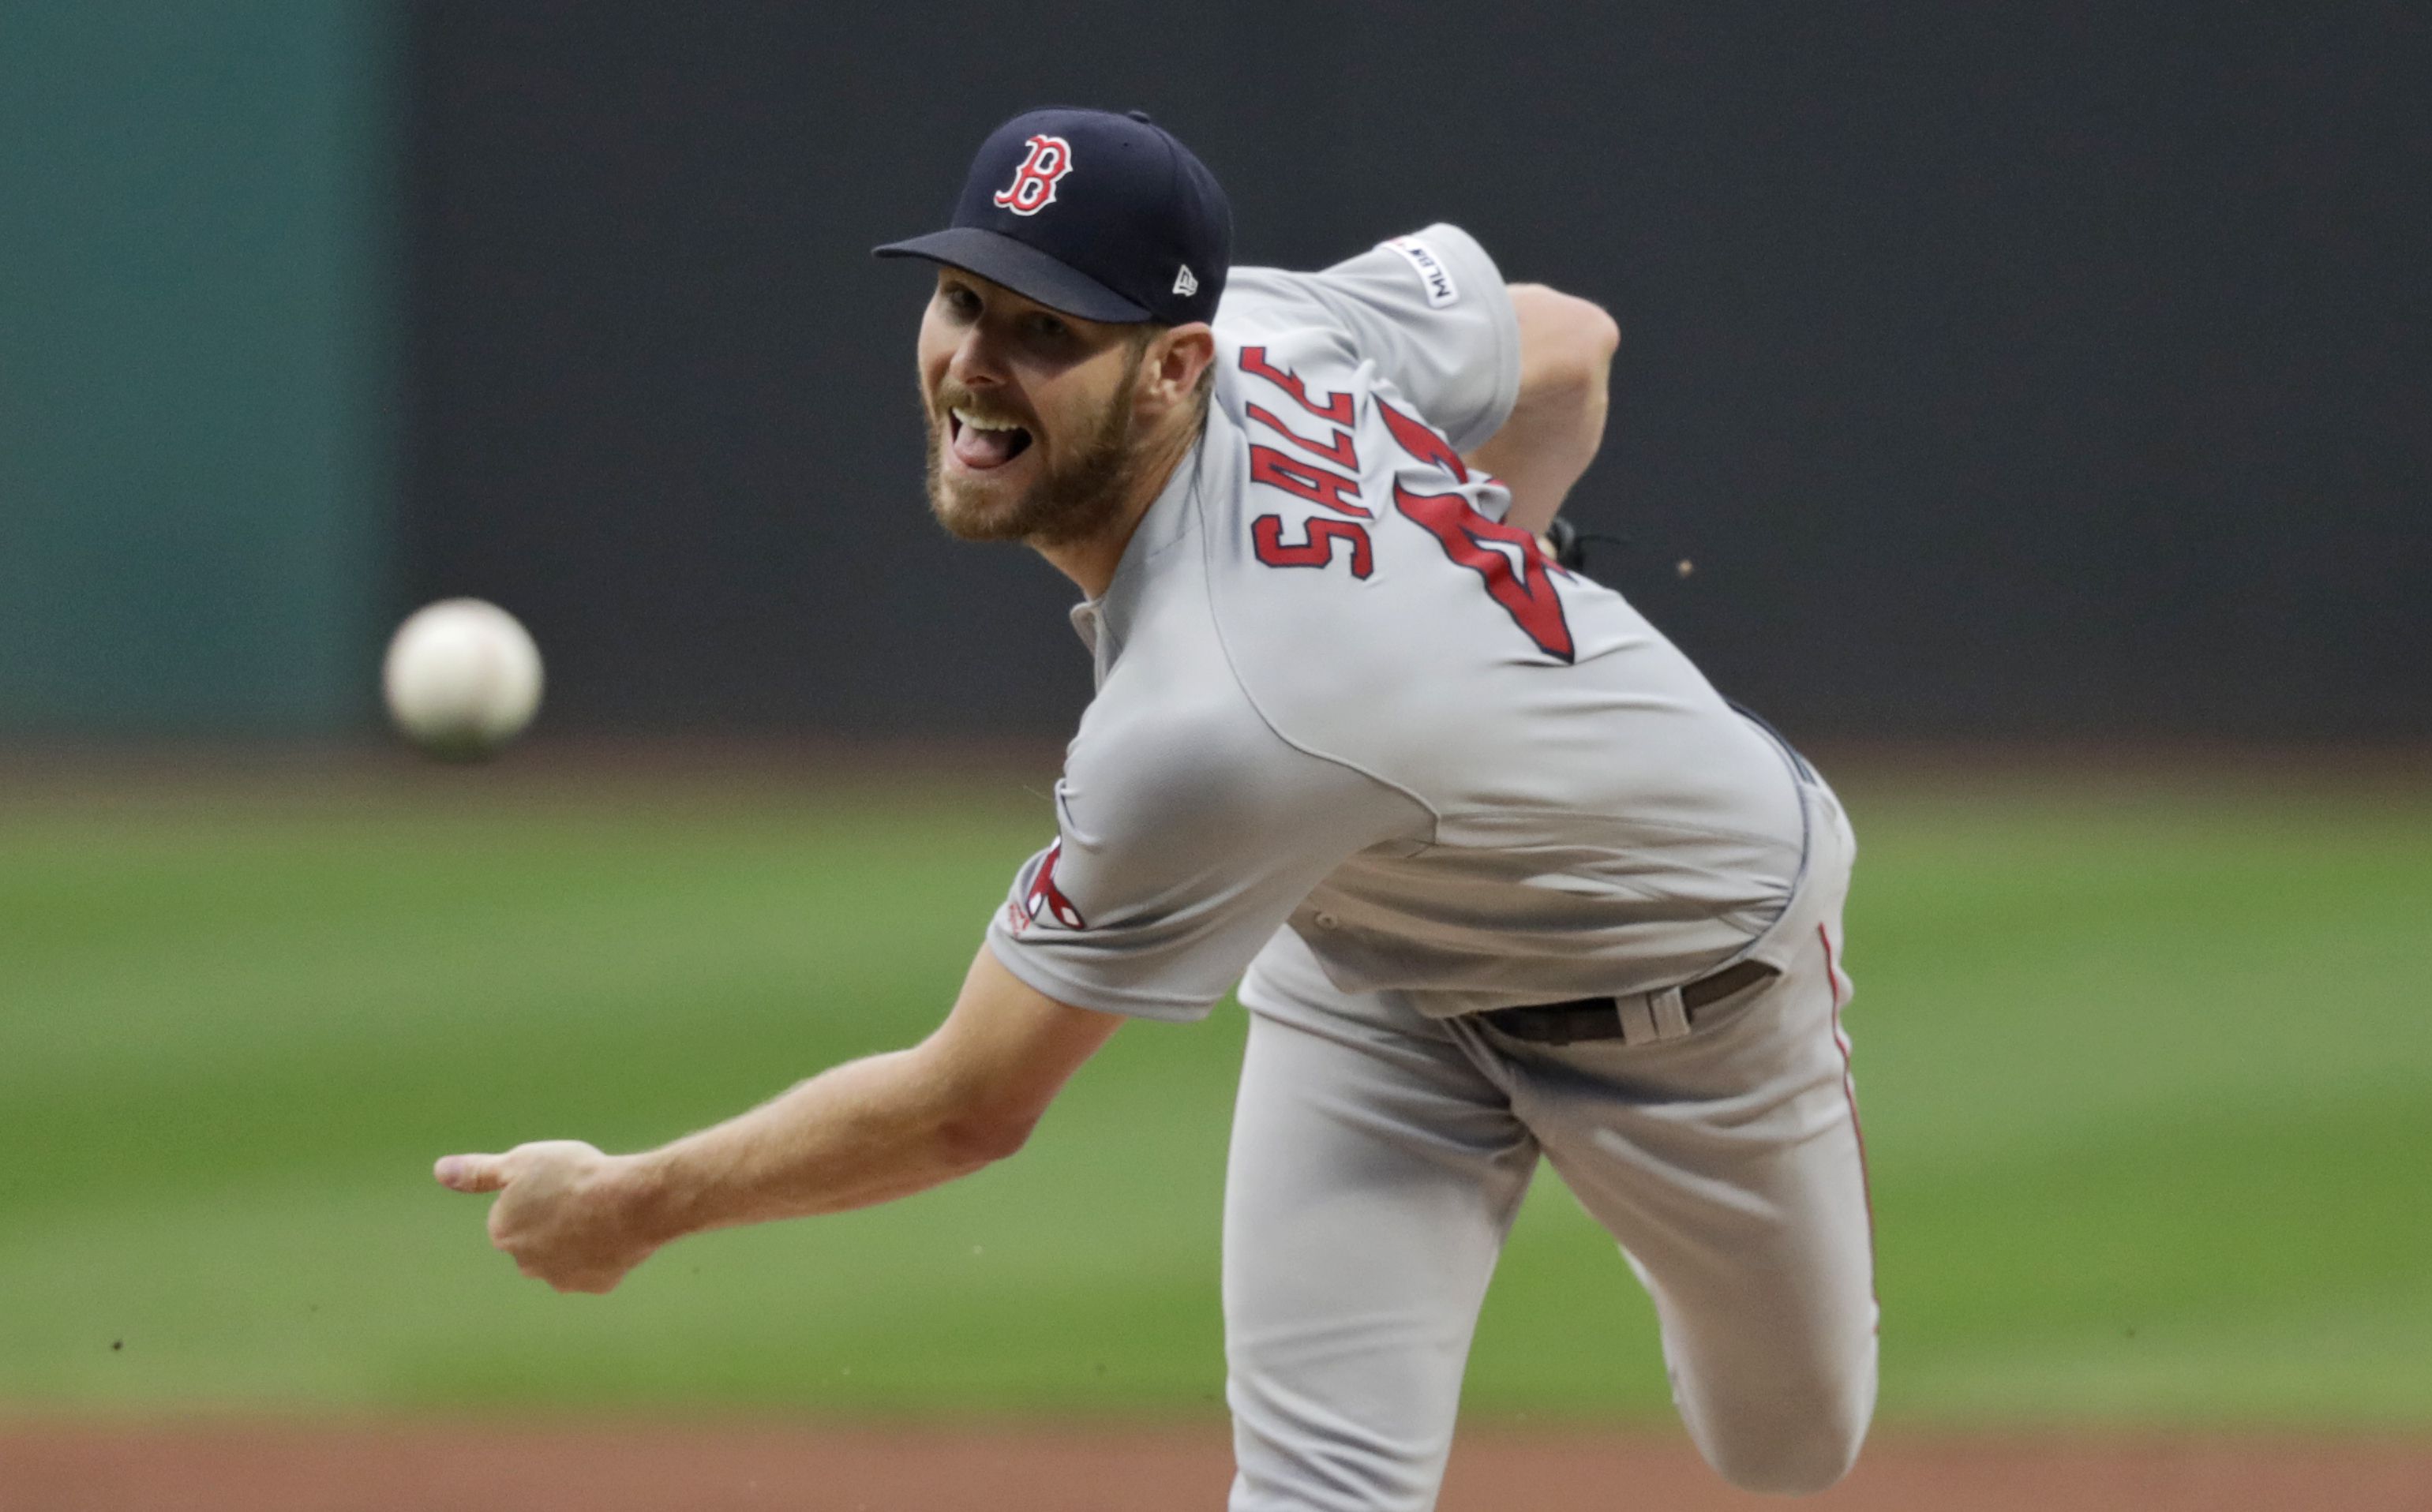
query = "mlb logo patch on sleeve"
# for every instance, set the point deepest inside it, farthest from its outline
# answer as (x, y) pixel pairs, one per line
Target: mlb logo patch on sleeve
(1433, 275)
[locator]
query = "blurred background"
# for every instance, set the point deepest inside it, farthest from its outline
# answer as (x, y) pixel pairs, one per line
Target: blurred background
(2041, 392)
(2058, 373)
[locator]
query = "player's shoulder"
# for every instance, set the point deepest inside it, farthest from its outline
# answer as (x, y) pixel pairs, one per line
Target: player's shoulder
(1427, 313)
(1438, 268)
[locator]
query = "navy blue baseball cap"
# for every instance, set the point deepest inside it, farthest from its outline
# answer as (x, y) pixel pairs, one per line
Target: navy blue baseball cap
(1099, 215)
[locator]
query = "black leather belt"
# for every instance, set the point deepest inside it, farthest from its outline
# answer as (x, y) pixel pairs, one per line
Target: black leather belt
(1559, 1023)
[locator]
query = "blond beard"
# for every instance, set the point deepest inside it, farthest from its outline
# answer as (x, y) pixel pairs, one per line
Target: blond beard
(1071, 502)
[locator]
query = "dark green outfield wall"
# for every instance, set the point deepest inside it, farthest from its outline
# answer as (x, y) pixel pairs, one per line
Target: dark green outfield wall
(193, 383)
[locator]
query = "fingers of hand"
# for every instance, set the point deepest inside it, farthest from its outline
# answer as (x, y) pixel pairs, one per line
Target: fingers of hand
(471, 1173)
(552, 1218)
(556, 1160)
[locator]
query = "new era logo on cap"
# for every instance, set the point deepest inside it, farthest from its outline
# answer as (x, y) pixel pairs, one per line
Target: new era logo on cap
(1139, 231)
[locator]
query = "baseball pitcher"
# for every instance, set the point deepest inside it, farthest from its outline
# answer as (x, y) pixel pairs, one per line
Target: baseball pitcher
(1499, 874)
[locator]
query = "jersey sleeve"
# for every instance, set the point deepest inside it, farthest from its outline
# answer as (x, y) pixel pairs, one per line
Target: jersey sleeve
(1178, 854)
(1430, 309)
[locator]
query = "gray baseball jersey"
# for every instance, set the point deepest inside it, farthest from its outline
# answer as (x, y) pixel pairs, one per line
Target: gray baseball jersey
(1334, 691)
(1354, 734)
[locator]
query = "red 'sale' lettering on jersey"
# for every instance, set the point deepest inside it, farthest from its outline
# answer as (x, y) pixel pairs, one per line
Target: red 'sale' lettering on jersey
(1034, 183)
(1339, 451)
(1306, 480)
(1337, 407)
(1267, 537)
(1045, 896)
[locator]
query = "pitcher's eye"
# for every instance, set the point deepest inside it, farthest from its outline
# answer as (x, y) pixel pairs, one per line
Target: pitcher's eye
(1048, 326)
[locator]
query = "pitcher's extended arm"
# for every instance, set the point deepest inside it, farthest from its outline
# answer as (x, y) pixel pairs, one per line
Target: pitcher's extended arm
(863, 1132)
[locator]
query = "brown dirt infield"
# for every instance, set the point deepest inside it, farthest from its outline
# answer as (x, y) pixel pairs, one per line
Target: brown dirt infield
(631, 1468)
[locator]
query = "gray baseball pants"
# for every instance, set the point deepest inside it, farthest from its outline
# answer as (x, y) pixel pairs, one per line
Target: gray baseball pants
(1379, 1155)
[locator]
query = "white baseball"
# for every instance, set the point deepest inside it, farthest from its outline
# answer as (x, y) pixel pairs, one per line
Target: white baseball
(463, 678)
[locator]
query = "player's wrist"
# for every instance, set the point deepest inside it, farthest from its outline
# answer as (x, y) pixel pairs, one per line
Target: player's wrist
(647, 1197)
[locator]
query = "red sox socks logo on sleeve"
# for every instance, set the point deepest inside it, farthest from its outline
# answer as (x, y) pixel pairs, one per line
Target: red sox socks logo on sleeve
(1034, 183)
(1044, 895)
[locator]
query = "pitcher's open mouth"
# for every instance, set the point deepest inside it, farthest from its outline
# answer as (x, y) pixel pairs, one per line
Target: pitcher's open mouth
(981, 441)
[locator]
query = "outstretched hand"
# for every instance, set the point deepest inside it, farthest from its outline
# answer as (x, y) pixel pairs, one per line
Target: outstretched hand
(563, 1212)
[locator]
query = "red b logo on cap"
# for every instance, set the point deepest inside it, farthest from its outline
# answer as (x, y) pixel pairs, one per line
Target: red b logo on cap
(1034, 183)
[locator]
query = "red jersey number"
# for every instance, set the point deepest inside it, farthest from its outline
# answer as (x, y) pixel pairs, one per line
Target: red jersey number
(1514, 565)
(1509, 559)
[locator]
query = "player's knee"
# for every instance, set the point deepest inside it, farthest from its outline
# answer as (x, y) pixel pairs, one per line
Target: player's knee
(1800, 1466)
(1795, 1458)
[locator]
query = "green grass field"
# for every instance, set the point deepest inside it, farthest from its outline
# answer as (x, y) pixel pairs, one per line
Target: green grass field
(2147, 1075)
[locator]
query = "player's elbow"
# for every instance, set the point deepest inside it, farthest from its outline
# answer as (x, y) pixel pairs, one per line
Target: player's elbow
(1566, 343)
(972, 1137)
